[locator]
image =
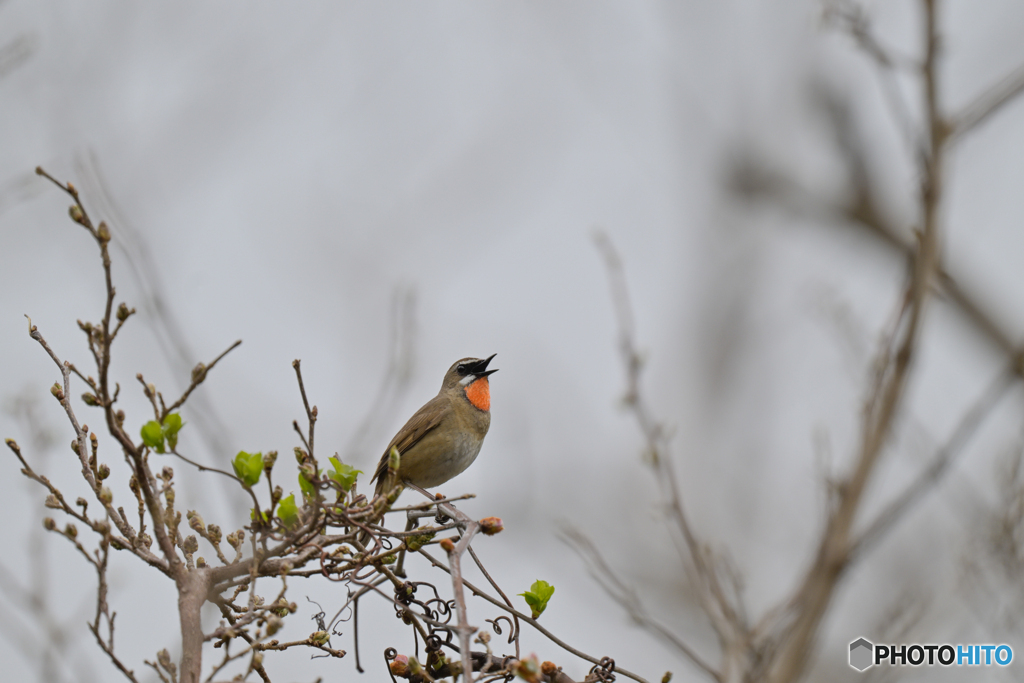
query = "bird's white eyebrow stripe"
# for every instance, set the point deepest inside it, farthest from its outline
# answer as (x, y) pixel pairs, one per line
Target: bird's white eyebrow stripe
(467, 379)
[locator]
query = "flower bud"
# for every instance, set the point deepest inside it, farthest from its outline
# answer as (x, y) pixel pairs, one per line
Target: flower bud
(123, 311)
(71, 531)
(76, 214)
(103, 471)
(447, 545)
(49, 524)
(57, 392)
(400, 666)
(491, 525)
(90, 399)
(52, 502)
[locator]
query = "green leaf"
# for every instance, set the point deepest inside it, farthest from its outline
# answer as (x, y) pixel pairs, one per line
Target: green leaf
(537, 597)
(248, 467)
(153, 436)
(172, 425)
(308, 490)
(414, 543)
(288, 511)
(344, 474)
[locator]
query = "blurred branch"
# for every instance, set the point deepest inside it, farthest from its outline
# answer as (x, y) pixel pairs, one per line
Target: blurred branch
(16, 52)
(629, 600)
(863, 210)
(988, 103)
(796, 632)
(723, 609)
(926, 481)
(851, 18)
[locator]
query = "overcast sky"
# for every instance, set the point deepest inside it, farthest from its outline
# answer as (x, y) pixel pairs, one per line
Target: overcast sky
(285, 175)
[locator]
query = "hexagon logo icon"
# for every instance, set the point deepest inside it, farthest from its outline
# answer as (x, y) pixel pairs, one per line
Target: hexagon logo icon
(861, 654)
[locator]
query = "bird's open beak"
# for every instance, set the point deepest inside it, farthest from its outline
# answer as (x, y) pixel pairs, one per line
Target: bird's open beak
(480, 369)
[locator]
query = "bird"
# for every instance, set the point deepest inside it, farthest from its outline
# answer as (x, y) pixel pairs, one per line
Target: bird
(443, 437)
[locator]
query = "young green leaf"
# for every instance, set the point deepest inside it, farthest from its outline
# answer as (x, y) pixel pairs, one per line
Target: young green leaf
(344, 474)
(288, 511)
(537, 597)
(248, 467)
(172, 425)
(153, 436)
(308, 490)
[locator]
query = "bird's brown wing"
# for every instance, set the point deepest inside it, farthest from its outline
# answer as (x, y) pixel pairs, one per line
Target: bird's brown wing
(419, 425)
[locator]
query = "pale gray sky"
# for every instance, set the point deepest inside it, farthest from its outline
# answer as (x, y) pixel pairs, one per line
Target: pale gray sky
(280, 172)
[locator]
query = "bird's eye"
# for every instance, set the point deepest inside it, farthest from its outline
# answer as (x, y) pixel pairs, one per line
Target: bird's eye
(461, 369)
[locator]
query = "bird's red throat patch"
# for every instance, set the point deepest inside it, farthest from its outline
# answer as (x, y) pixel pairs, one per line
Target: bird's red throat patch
(479, 394)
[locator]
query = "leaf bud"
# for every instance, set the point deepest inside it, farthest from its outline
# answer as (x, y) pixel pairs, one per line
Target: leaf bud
(447, 545)
(90, 399)
(57, 392)
(167, 473)
(103, 232)
(196, 521)
(190, 545)
(52, 502)
(201, 562)
(123, 311)
(198, 373)
(146, 540)
(269, 458)
(75, 211)
(164, 658)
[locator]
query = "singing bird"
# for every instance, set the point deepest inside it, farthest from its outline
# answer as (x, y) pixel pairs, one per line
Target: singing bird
(443, 437)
